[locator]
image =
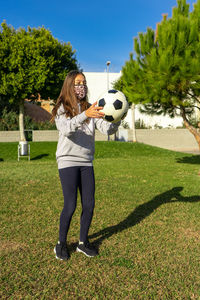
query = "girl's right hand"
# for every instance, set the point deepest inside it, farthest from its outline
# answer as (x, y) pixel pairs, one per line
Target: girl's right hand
(94, 111)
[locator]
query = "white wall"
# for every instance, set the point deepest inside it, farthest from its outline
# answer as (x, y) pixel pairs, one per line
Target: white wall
(97, 84)
(161, 120)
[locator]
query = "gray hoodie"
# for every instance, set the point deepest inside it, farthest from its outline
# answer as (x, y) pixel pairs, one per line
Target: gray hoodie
(76, 138)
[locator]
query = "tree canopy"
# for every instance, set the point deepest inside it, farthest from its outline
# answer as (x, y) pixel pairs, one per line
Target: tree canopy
(163, 73)
(32, 61)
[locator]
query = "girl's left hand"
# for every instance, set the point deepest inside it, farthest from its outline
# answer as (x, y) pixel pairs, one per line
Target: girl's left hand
(94, 111)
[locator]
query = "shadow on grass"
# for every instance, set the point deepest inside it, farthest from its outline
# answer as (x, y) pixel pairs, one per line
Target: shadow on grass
(1, 159)
(142, 211)
(39, 156)
(195, 159)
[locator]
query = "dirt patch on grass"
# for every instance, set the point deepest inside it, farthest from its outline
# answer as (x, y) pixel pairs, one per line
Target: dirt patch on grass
(191, 234)
(9, 246)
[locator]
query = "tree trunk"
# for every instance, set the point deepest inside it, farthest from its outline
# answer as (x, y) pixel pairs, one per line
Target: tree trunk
(192, 129)
(21, 121)
(133, 121)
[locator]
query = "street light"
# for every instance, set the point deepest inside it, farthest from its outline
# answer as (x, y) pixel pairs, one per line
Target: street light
(108, 63)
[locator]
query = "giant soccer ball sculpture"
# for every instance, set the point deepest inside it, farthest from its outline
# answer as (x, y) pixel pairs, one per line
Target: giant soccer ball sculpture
(115, 105)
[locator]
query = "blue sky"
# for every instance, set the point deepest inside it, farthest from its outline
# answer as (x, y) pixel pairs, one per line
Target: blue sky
(98, 30)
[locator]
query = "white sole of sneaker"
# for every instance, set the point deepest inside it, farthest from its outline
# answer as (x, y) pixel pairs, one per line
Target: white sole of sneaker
(79, 250)
(54, 250)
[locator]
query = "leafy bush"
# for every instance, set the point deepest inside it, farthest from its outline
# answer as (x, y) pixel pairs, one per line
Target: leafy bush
(125, 124)
(194, 122)
(10, 121)
(44, 126)
(139, 124)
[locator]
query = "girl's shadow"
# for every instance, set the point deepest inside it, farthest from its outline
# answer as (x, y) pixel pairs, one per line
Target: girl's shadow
(141, 212)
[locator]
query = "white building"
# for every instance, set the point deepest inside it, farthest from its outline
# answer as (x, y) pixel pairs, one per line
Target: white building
(98, 83)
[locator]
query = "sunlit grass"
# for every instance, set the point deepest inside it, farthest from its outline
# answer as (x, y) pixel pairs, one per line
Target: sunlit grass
(146, 226)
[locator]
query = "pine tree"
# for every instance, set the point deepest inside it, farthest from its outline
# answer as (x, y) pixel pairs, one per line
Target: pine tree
(164, 74)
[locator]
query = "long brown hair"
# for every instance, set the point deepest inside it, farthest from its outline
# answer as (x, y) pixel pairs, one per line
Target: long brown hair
(68, 97)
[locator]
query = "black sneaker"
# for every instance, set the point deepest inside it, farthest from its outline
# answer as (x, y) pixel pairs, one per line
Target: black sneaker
(87, 249)
(61, 251)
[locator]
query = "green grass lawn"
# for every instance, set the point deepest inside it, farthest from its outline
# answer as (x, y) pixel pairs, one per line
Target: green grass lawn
(146, 226)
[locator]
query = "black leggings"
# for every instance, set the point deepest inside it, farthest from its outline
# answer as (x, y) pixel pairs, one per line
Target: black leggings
(72, 179)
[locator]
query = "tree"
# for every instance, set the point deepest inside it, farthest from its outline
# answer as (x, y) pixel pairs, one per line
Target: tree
(164, 75)
(31, 62)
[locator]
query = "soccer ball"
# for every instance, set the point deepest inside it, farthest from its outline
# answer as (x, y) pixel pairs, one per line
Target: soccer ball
(115, 105)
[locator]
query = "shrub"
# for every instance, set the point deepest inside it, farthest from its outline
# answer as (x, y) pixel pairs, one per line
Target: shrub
(139, 124)
(10, 121)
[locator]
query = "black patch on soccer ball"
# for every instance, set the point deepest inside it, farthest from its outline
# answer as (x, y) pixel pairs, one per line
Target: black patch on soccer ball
(102, 102)
(117, 104)
(109, 118)
(112, 91)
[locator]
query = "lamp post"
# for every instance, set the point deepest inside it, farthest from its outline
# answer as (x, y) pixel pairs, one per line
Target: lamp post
(108, 63)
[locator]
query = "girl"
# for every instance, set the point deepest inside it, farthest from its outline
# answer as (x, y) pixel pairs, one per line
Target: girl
(76, 120)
